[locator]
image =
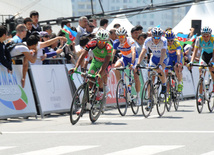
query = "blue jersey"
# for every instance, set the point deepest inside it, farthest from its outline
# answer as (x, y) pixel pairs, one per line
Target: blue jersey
(206, 46)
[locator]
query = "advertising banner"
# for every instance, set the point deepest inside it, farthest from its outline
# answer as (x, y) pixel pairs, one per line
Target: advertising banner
(188, 87)
(52, 87)
(15, 101)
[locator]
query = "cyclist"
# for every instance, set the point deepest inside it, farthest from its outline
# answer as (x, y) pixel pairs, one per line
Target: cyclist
(102, 51)
(206, 43)
(126, 45)
(175, 56)
(158, 46)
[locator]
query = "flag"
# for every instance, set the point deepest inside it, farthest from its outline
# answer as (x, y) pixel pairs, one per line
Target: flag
(183, 38)
(69, 34)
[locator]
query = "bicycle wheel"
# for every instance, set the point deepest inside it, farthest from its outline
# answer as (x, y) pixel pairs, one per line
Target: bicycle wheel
(121, 98)
(200, 104)
(169, 93)
(210, 103)
(134, 107)
(96, 108)
(147, 99)
(175, 94)
(78, 104)
(161, 102)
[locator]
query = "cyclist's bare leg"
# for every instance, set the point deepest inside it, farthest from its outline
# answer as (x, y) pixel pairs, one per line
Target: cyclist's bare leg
(117, 73)
(178, 72)
(200, 74)
(162, 77)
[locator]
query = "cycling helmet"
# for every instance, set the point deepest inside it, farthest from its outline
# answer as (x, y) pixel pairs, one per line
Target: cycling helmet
(102, 35)
(169, 35)
(121, 31)
(206, 30)
(157, 32)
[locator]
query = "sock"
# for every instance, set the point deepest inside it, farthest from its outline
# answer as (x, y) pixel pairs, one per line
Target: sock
(138, 94)
(164, 84)
(179, 82)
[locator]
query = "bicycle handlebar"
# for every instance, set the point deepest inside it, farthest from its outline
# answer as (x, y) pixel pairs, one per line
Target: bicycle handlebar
(84, 74)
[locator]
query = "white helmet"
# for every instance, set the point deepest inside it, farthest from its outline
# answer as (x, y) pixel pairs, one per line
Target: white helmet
(121, 31)
(206, 30)
(157, 32)
(102, 35)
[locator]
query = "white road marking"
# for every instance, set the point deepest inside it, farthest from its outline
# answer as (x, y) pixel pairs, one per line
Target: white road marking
(147, 150)
(116, 131)
(6, 147)
(209, 153)
(57, 150)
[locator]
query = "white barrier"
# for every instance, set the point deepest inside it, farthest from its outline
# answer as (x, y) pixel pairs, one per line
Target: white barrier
(52, 88)
(15, 101)
(188, 87)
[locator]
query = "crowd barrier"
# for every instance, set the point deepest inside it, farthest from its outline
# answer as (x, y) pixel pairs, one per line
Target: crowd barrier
(48, 89)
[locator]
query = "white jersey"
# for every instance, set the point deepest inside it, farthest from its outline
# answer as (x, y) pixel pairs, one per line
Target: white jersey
(18, 50)
(156, 49)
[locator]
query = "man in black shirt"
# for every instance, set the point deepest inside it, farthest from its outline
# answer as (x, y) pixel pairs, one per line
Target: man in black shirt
(34, 15)
(5, 58)
(28, 23)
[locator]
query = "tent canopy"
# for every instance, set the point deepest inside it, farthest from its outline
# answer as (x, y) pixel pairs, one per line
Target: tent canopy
(123, 21)
(198, 11)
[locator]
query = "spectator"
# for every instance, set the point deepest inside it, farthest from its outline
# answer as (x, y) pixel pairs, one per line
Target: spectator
(140, 41)
(65, 22)
(90, 28)
(69, 50)
(134, 33)
(94, 21)
(28, 23)
(21, 32)
(192, 30)
(34, 15)
(113, 37)
(5, 58)
(149, 33)
(79, 48)
(116, 26)
(47, 28)
(81, 29)
(20, 50)
(103, 25)
(139, 28)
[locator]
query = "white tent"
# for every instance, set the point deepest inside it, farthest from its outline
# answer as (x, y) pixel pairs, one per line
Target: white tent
(123, 21)
(199, 11)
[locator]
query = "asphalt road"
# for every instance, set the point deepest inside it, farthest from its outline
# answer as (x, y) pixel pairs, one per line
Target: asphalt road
(184, 132)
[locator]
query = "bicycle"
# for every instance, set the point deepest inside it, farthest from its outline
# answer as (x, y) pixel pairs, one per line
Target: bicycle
(207, 90)
(125, 94)
(151, 95)
(84, 99)
(172, 94)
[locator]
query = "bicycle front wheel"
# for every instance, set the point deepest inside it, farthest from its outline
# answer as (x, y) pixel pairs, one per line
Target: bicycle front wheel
(96, 108)
(169, 94)
(133, 100)
(147, 99)
(77, 105)
(210, 103)
(200, 96)
(175, 94)
(121, 98)
(161, 102)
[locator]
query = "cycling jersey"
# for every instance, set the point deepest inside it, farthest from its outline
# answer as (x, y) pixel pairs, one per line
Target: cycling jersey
(172, 50)
(99, 54)
(156, 49)
(125, 48)
(206, 46)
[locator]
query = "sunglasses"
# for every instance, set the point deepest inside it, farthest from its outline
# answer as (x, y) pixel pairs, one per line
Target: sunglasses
(156, 38)
(170, 40)
(121, 37)
(205, 36)
(91, 26)
(102, 41)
